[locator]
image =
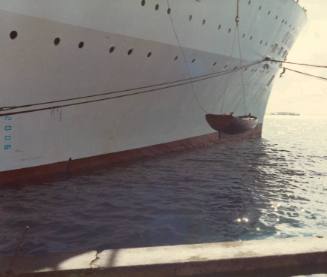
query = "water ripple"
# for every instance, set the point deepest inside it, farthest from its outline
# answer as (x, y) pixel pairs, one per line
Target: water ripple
(274, 187)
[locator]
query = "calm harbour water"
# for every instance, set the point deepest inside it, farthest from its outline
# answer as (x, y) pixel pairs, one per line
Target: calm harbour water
(273, 187)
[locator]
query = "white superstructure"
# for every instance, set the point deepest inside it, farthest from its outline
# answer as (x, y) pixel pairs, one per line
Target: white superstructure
(140, 59)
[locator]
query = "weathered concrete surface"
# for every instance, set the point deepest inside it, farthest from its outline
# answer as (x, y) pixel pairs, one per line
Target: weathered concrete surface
(253, 258)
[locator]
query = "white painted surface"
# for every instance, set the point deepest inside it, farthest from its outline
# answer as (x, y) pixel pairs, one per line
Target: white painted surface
(243, 255)
(33, 70)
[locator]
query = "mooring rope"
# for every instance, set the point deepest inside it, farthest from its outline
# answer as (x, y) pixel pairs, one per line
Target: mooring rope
(12, 110)
(184, 59)
(305, 74)
(297, 63)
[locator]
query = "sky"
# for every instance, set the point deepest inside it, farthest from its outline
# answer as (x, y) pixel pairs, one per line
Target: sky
(297, 93)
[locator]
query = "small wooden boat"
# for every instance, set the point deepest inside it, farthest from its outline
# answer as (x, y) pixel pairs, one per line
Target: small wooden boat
(229, 124)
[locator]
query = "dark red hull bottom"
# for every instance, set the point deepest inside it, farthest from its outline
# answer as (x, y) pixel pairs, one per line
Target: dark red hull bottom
(68, 169)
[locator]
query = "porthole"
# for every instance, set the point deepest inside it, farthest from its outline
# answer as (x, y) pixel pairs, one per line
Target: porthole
(130, 52)
(219, 26)
(194, 60)
(176, 58)
(251, 37)
(13, 35)
(276, 17)
(190, 17)
(244, 35)
(81, 45)
(143, 3)
(204, 22)
(260, 8)
(269, 12)
(149, 55)
(169, 11)
(274, 47)
(214, 64)
(56, 41)
(112, 49)
(157, 7)
(229, 30)
(249, 3)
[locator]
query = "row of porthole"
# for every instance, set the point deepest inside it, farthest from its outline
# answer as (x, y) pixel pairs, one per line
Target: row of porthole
(156, 7)
(57, 40)
(204, 21)
(284, 21)
(131, 50)
(14, 34)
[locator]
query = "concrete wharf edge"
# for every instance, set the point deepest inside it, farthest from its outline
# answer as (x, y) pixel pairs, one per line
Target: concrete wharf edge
(283, 257)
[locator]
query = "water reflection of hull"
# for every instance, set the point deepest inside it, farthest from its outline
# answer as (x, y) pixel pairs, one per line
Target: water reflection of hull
(232, 125)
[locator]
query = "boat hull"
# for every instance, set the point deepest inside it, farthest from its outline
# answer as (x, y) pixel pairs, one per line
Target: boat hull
(231, 125)
(164, 77)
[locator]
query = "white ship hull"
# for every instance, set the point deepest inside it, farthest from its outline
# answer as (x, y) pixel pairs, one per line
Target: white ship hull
(150, 94)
